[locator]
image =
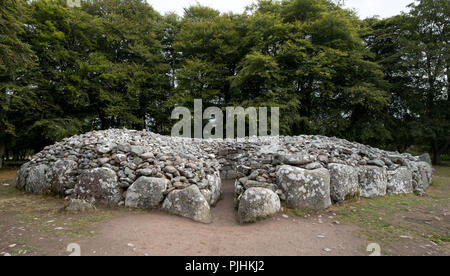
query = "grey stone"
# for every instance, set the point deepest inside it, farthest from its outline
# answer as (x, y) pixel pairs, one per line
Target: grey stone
(189, 203)
(146, 192)
(343, 182)
(215, 187)
(145, 172)
(305, 189)
(147, 155)
(400, 181)
(79, 205)
(37, 180)
(422, 176)
(137, 150)
(63, 176)
(102, 184)
(296, 159)
(372, 181)
(377, 162)
(172, 170)
(257, 203)
(426, 158)
(313, 166)
(254, 184)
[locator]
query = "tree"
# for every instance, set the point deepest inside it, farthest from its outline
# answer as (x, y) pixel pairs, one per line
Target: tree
(428, 54)
(15, 58)
(413, 52)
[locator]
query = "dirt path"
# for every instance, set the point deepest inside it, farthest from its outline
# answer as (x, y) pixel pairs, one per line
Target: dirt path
(157, 233)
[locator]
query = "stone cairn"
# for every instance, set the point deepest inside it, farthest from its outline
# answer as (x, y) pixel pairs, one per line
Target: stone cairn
(182, 176)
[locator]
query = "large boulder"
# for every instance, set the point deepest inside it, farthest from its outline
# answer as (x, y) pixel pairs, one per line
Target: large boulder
(22, 175)
(422, 176)
(189, 203)
(372, 181)
(63, 176)
(305, 189)
(400, 181)
(426, 158)
(214, 187)
(99, 183)
(344, 182)
(37, 180)
(258, 203)
(146, 192)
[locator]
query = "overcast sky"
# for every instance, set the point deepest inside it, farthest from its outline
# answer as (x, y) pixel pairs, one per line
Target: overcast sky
(365, 8)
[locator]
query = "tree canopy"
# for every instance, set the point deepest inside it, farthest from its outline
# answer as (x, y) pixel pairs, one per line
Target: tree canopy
(119, 63)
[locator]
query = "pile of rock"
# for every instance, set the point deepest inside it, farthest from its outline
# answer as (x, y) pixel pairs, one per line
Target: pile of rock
(140, 169)
(125, 167)
(312, 172)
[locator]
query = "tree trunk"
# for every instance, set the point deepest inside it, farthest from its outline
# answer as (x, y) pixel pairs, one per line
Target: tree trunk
(2, 153)
(437, 151)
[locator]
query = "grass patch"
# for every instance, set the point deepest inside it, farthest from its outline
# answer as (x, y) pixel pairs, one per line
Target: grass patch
(44, 213)
(387, 220)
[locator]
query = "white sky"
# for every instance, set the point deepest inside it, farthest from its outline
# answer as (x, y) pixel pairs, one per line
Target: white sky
(365, 8)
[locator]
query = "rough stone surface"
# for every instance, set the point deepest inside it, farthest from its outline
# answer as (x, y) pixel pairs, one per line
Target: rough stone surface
(400, 181)
(425, 158)
(343, 182)
(63, 176)
(79, 205)
(257, 203)
(189, 203)
(422, 176)
(146, 192)
(104, 166)
(305, 189)
(100, 184)
(372, 181)
(38, 180)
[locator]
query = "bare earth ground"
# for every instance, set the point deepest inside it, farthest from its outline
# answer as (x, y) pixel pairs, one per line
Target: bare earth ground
(402, 225)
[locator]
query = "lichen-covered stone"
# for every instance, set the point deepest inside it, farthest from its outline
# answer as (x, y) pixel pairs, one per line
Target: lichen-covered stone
(400, 181)
(257, 203)
(38, 179)
(99, 183)
(189, 203)
(425, 158)
(146, 192)
(422, 176)
(63, 176)
(343, 182)
(79, 205)
(215, 188)
(305, 189)
(372, 181)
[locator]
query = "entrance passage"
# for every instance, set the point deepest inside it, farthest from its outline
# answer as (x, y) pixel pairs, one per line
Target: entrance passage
(224, 212)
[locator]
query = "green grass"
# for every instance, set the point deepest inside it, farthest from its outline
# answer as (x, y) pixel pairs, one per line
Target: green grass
(385, 219)
(44, 212)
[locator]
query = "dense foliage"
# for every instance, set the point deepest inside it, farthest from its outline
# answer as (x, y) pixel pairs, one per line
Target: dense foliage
(119, 63)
